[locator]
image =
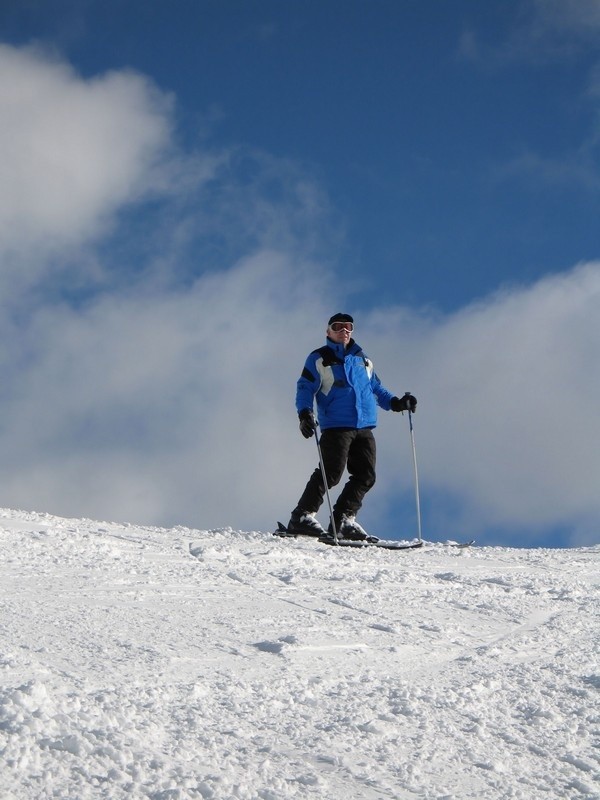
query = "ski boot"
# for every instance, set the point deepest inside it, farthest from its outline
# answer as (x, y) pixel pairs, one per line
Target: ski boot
(305, 522)
(348, 528)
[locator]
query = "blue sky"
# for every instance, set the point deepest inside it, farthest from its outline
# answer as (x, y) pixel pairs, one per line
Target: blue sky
(192, 188)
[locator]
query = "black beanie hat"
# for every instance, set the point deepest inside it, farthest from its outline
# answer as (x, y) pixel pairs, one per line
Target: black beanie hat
(339, 317)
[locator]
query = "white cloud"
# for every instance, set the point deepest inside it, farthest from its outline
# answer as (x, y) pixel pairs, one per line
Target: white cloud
(509, 392)
(73, 152)
(169, 398)
(150, 399)
(166, 408)
(179, 407)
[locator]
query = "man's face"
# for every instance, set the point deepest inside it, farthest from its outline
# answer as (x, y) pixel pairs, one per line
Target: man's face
(340, 332)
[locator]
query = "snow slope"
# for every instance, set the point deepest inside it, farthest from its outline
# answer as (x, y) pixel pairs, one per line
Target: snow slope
(151, 663)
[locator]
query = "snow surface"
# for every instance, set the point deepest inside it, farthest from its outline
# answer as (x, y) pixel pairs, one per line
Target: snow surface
(150, 663)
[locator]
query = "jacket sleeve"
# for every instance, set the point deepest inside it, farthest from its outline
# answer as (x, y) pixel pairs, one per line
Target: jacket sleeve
(383, 395)
(308, 384)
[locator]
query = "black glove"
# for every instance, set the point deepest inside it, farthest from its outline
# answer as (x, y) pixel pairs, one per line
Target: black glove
(307, 423)
(406, 403)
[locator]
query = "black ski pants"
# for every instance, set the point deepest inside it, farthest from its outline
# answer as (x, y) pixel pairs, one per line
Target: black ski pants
(341, 448)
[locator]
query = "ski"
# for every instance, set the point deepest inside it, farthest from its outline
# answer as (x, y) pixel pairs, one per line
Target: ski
(386, 544)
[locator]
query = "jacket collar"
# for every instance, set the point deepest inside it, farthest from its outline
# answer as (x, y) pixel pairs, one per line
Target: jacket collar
(340, 350)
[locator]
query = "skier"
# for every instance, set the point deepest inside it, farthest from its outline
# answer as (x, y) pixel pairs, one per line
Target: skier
(342, 379)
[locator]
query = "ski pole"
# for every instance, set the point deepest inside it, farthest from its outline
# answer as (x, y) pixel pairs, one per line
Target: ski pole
(324, 475)
(414, 457)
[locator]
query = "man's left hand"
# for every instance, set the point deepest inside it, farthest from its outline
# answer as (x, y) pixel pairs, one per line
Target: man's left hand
(406, 403)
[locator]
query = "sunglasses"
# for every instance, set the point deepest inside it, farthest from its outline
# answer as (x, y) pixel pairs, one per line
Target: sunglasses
(336, 327)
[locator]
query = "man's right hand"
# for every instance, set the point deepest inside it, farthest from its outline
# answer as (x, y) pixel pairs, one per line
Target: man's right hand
(307, 423)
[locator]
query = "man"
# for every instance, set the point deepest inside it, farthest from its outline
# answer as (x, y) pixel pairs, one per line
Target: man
(341, 378)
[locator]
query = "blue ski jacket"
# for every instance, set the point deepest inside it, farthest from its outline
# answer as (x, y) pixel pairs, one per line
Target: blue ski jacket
(344, 383)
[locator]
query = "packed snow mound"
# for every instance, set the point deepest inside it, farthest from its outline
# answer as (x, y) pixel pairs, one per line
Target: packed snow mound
(142, 662)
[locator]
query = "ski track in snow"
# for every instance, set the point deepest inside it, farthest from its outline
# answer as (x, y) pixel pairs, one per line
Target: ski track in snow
(149, 663)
